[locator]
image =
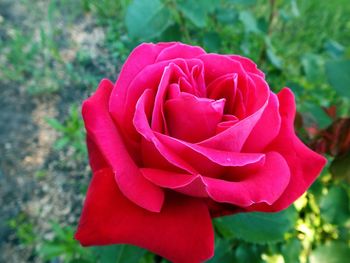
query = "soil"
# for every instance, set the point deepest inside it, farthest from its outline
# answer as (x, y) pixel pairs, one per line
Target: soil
(37, 182)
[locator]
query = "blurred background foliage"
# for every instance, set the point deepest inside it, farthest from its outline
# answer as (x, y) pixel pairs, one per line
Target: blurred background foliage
(57, 51)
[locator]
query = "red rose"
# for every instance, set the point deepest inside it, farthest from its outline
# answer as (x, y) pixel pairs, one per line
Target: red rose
(184, 136)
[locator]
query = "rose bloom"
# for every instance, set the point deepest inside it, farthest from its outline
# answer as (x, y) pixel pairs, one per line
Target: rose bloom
(184, 136)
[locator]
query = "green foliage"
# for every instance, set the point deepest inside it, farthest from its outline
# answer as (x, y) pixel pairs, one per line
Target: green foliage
(146, 18)
(338, 73)
(119, 254)
(258, 227)
(331, 253)
(291, 250)
(63, 246)
(335, 207)
(71, 132)
(24, 229)
(197, 11)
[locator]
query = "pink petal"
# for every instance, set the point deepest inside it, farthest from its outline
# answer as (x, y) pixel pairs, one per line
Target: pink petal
(183, 183)
(142, 56)
(224, 87)
(186, 156)
(102, 131)
(264, 185)
(151, 157)
(216, 66)
(304, 164)
(179, 50)
(233, 138)
(267, 127)
(186, 113)
(96, 160)
(248, 65)
(142, 126)
(207, 161)
(122, 104)
(182, 232)
(171, 72)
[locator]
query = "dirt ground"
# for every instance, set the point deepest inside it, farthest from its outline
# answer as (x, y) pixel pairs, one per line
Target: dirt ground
(37, 183)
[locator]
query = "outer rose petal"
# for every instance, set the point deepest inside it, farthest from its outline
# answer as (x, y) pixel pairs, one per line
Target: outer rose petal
(263, 186)
(248, 65)
(182, 232)
(101, 129)
(96, 159)
(188, 184)
(179, 50)
(266, 129)
(142, 56)
(305, 165)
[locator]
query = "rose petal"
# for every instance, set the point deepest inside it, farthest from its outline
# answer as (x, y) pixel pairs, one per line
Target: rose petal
(103, 132)
(265, 185)
(181, 232)
(186, 113)
(305, 165)
(233, 138)
(266, 129)
(122, 106)
(224, 87)
(171, 72)
(184, 183)
(142, 56)
(207, 161)
(179, 50)
(183, 155)
(216, 66)
(248, 65)
(142, 126)
(96, 160)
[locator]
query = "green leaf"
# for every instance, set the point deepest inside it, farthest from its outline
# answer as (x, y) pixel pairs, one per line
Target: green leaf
(338, 74)
(292, 250)
(212, 42)
(242, 2)
(197, 10)
(258, 227)
(273, 58)
(314, 115)
(226, 16)
(119, 254)
(172, 33)
(334, 48)
(61, 143)
(249, 22)
(49, 251)
(331, 253)
(223, 252)
(294, 8)
(313, 67)
(146, 19)
(335, 206)
(245, 252)
(55, 124)
(271, 55)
